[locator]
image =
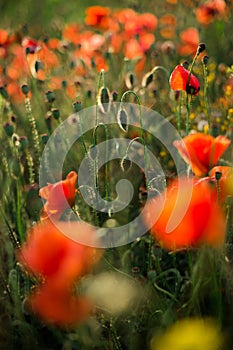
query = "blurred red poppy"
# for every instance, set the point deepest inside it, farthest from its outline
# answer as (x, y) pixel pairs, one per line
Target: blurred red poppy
(199, 222)
(48, 252)
(180, 79)
(189, 42)
(58, 262)
(59, 306)
(97, 16)
(59, 196)
(210, 10)
(202, 151)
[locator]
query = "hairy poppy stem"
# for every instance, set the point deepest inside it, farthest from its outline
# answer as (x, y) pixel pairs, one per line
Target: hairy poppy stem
(140, 121)
(205, 71)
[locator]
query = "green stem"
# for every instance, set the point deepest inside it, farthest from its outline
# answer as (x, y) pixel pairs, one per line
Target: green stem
(18, 212)
(205, 95)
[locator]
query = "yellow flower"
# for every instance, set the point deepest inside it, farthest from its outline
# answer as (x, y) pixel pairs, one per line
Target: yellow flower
(191, 334)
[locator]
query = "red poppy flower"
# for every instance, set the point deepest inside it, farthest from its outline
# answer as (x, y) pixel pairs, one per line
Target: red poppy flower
(189, 41)
(49, 252)
(180, 80)
(59, 262)
(59, 306)
(202, 151)
(210, 10)
(30, 45)
(59, 196)
(97, 16)
(199, 222)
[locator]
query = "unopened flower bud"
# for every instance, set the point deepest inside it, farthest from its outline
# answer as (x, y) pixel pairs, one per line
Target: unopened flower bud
(44, 138)
(218, 175)
(4, 92)
(125, 164)
(77, 106)
(50, 96)
(25, 89)
(9, 128)
(55, 113)
(23, 142)
(147, 79)
(201, 48)
(205, 60)
(122, 119)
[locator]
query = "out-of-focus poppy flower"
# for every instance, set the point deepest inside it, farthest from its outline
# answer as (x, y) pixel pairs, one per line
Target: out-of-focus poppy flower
(30, 45)
(59, 196)
(97, 16)
(202, 151)
(58, 261)
(168, 24)
(59, 306)
(48, 252)
(209, 11)
(180, 79)
(199, 222)
(189, 42)
(5, 40)
(192, 334)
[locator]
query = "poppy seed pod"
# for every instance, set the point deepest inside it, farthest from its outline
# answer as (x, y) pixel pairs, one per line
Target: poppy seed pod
(104, 98)
(55, 113)
(125, 164)
(201, 48)
(4, 92)
(50, 96)
(122, 119)
(147, 79)
(25, 89)
(205, 60)
(77, 106)
(9, 128)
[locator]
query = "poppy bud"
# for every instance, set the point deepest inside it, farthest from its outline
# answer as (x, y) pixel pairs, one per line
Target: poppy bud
(13, 118)
(205, 60)
(185, 64)
(114, 96)
(125, 164)
(55, 113)
(104, 99)
(147, 79)
(38, 65)
(64, 84)
(50, 96)
(23, 142)
(218, 175)
(201, 48)
(44, 138)
(129, 80)
(122, 120)
(3, 92)
(25, 89)
(9, 129)
(77, 106)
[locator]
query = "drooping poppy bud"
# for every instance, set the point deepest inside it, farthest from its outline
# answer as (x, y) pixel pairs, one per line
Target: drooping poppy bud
(181, 79)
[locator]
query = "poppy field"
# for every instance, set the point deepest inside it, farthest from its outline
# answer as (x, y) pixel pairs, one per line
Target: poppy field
(116, 217)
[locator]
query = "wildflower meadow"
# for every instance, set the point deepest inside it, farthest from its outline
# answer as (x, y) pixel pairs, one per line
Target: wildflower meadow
(116, 170)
